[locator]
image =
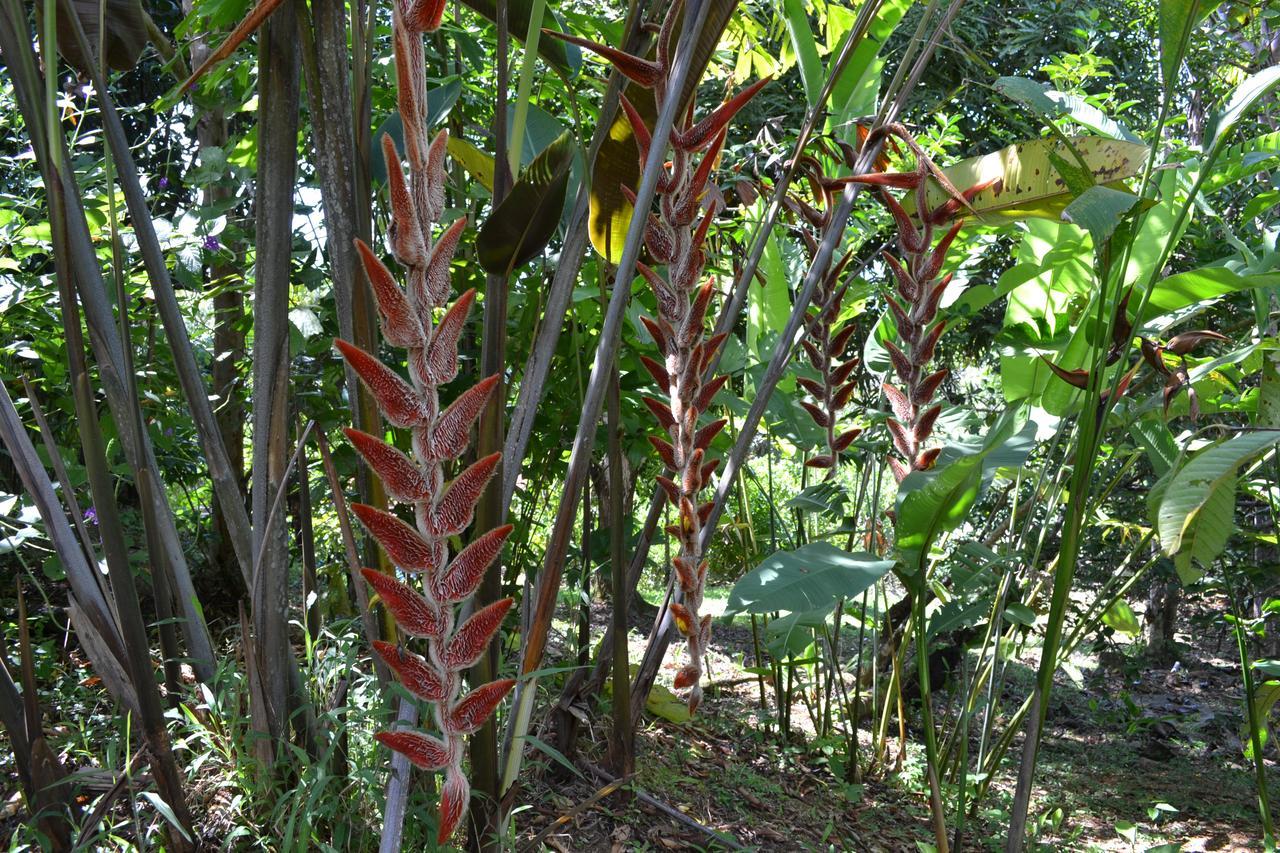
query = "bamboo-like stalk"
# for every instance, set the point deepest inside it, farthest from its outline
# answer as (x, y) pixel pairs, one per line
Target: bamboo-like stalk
(278, 91)
(73, 244)
(490, 512)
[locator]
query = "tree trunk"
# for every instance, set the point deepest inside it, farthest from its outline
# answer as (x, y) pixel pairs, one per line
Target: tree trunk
(1161, 618)
(277, 156)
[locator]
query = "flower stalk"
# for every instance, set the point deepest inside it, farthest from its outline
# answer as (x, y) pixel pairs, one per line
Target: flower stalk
(919, 285)
(675, 239)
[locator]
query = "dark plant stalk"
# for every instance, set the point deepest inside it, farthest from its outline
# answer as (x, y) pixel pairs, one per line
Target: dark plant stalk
(572, 254)
(490, 511)
(1255, 730)
(356, 588)
(74, 245)
(622, 737)
(277, 158)
(224, 477)
(323, 42)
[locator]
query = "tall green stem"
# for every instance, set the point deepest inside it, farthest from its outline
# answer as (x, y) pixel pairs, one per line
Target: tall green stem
(516, 138)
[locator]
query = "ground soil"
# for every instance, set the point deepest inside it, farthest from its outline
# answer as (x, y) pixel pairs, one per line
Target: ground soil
(1127, 738)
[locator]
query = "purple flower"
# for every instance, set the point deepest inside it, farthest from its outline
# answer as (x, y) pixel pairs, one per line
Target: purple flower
(211, 243)
(164, 183)
(91, 516)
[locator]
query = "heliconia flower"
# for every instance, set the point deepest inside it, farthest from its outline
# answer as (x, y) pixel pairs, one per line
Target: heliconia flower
(1187, 341)
(399, 325)
(469, 714)
(453, 429)
(686, 205)
(423, 16)
(454, 795)
(442, 352)
(453, 512)
(462, 577)
(417, 616)
(638, 70)
(406, 547)
(470, 641)
(696, 137)
(1078, 378)
(915, 312)
(423, 751)
(403, 479)
(419, 676)
(399, 403)
(419, 319)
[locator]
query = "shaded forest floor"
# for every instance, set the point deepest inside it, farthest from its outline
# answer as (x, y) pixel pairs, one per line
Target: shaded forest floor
(1135, 757)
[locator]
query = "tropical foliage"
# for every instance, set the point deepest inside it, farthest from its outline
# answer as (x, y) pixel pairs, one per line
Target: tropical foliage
(397, 393)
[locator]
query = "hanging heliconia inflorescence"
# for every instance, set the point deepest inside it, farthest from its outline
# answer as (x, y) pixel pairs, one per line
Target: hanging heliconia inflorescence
(675, 239)
(419, 319)
(920, 286)
(826, 340)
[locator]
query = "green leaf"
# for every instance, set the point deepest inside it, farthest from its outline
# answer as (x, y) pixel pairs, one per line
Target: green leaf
(553, 753)
(519, 228)
(1177, 19)
(1156, 439)
(166, 811)
(1265, 696)
(566, 57)
(1246, 95)
(1020, 614)
(812, 577)
(1028, 92)
(1196, 514)
(1176, 292)
(1026, 184)
(439, 101)
(806, 48)
(933, 502)
(855, 92)
(768, 306)
(661, 702)
(478, 164)
(826, 496)
(1121, 617)
(1099, 210)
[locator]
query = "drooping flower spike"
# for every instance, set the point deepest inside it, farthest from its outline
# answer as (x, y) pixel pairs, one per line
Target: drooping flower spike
(676, 240)
(419, 319)
(919, 286)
